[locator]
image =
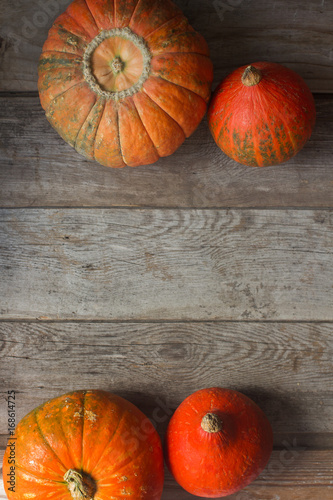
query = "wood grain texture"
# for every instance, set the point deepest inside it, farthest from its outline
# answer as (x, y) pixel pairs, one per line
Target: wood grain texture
(286, 368)
(297, 34)
(245, 31)
(225, 280)
(39, 169)
(288, 476)
(166, 264)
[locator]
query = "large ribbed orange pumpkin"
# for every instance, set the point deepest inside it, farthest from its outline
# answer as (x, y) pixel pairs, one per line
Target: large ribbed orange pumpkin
(124, 81)
(217, 442)
(262, 114)
(84, 445)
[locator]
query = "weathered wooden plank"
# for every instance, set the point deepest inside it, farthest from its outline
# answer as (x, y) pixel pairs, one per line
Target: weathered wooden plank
(296, 33)
(286, 368)
(166, 264)
(254, 492)
(39, 169)
(257, 492)
(288, 476)
(245, 31)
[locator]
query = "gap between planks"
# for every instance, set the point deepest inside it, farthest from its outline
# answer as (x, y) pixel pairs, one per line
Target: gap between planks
(163, 321)
(171, 208)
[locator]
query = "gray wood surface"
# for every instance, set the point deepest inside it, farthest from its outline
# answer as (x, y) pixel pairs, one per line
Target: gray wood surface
(168, 361)
(277, 482)
(194, 272)
(312, 469)
(297, 34)
(154, 264)
(39, 169)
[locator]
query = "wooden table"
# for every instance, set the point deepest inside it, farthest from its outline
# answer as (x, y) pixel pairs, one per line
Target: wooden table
(194, 272)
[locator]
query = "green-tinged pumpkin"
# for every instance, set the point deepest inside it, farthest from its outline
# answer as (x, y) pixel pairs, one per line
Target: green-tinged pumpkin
(124, 81)
(217, 442)
(262, 114)
(85, 445)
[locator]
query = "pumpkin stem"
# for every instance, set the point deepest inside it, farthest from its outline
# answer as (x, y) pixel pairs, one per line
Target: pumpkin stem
(80, 487)
(251, 76)
(104, 60)
(211, 423)
(117, 65)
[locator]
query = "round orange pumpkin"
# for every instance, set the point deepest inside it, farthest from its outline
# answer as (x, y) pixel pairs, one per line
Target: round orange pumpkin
(124, 82)
(217, 442)
(84, 445)
(262, 114)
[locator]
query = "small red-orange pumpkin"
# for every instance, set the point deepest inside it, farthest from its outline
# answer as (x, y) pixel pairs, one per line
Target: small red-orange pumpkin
(217, 442)
(84, 445)
(124, 82)
(262, 114)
